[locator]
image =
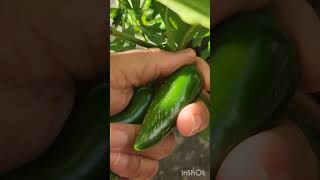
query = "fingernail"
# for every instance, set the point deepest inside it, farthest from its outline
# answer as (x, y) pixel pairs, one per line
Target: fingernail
(196, 122)
(186, 51)
(118, 138)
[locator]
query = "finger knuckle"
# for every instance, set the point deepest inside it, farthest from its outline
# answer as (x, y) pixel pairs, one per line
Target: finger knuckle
(154, 50)
(151, 169)
(170, 146)
(116, 160)
(134, 166)
(154, 169)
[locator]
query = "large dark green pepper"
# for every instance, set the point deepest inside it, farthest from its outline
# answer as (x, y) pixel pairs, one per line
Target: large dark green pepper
(79, 153)
(181, 88)
(254, 70)
(137, 108)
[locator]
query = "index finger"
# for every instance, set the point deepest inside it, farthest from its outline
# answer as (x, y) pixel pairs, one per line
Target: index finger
(204, 68)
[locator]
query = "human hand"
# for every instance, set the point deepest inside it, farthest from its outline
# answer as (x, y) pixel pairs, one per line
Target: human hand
(45, 48)
(282, 152)
(134, 69)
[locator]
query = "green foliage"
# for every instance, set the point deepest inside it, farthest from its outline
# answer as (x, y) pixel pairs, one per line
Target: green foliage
(149, 23)
(191, 11)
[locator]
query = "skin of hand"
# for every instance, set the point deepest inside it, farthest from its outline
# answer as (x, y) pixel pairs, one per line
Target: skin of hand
(282, 152)
(135, 68)
(45, 48)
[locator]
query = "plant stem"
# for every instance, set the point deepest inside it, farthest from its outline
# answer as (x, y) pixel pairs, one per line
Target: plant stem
(132, 39)
(188, 36)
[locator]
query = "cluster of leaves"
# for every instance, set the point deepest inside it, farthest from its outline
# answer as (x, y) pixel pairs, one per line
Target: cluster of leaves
(151, 23)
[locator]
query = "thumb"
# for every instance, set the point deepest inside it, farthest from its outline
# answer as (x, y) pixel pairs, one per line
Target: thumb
(138, 67)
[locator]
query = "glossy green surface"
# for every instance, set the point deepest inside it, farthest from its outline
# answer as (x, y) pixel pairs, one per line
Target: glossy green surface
(178, 90)
(79, 153)
(253, 76)
(137, 108)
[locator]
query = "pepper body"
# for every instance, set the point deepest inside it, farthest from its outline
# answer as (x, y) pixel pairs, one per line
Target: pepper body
(137, 108)
(254, 72)
(179, 89)
(79, 152)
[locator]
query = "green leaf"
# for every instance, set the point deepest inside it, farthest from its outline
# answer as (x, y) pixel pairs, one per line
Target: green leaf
(147, 19)
(188, 36)
(179, 33)
(196, 42)
(202, 32)
(191, 11)
(113, 12)
(175, 27)
(132, 17)
(119, 45)
(153, 36)
(136, 7)
(170, 31)
(115, 16)
(205, 53)
(155, 25)
(125, 3)
(133, 39)
(146, 4)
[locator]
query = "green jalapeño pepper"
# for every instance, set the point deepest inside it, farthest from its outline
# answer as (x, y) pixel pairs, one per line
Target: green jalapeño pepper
(137, 108)
(181, 88)
(254, 75)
